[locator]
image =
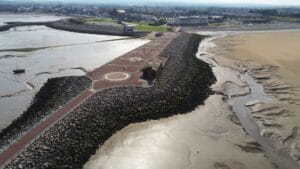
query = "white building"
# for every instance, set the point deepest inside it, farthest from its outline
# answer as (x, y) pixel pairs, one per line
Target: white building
(120, 11)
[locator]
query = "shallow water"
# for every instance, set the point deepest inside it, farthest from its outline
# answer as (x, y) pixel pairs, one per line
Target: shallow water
(201, 139)
(27, 18)
(45, 53)
(282, 159)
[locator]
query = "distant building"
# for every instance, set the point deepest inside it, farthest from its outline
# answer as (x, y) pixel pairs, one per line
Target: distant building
(255, 21)
(8, 8)
(215, 19)
(120, 11)
(149, 18)
(188, 21)
(128, 28)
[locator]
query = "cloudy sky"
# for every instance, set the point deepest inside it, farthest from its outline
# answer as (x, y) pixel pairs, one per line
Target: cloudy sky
(263, 2)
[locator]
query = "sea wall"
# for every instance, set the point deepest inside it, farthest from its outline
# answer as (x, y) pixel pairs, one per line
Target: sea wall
(80, 28)
(17, 24)
(183, 84)
(55, 93)
(93, 29)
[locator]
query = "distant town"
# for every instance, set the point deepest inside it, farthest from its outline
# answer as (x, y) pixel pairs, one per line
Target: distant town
(168, 16)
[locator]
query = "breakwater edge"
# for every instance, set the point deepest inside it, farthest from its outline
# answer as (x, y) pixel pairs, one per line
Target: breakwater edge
(179, 88)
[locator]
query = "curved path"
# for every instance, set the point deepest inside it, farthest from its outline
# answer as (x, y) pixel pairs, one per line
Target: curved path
(123, 71)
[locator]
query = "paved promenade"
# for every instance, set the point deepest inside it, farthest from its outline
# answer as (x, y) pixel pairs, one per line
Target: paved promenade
(123, 71)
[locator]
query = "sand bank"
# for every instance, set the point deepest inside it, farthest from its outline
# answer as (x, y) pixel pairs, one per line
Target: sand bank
(276, 48)
(272, 59)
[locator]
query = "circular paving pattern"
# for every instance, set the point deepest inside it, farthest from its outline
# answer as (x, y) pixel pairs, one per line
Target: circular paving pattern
(116, 76)
(135, 59)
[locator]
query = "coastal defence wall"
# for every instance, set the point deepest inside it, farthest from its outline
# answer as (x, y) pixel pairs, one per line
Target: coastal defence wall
(80, 28)
(94, 29)
(183, 84)
(18, 24)
(55, 93)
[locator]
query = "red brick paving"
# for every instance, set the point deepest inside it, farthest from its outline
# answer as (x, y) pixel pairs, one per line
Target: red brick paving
(41, 128)
(147, 52)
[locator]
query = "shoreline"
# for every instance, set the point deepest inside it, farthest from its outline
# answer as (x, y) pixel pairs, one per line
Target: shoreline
(55, 93)
(64, 53)
(175, 91)
(232, 85)
(202, 137)
(98, 84)
(245, 28)
(207, 137)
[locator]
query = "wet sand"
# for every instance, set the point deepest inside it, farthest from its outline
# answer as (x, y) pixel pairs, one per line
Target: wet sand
(264, 100)
(272, 59)
(204, 139)
(277, 48)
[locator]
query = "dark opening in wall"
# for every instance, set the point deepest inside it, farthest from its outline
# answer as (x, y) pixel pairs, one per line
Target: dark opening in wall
(149, 74)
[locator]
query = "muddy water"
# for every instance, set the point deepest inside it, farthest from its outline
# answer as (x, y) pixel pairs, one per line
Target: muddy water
(280, 158)
(27, 18)
(46, 53)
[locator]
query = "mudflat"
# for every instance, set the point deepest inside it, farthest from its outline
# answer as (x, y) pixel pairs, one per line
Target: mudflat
(272, 59)
(276, 48)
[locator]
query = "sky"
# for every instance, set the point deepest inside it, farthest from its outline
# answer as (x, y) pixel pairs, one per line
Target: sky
(218, 2)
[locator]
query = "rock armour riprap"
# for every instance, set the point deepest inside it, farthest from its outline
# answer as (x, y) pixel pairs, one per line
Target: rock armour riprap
(55, 93)
(183, 84)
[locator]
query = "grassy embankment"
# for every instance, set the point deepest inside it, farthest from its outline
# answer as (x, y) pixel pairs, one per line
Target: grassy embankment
(97, 21)
(218, 24)
(285, 19)
(145, 26)
(141, 26)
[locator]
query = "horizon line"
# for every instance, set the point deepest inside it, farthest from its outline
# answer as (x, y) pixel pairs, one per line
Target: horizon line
(157, 3)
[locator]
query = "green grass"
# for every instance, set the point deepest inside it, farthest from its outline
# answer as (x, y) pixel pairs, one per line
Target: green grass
(141, 26)
(97, 20)
(100, 20)
(218, 24)
(285, 19)
(144, 26)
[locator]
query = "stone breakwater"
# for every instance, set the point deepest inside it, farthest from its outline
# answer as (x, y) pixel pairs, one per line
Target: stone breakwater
(55, 93)
(182, 85)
